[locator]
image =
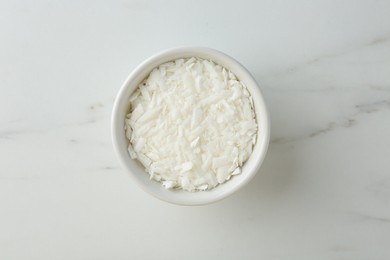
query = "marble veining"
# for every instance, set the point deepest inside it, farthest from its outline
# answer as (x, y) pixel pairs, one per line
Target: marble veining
(352, 49)
(323, 191)
(348, 122)
(364, 217)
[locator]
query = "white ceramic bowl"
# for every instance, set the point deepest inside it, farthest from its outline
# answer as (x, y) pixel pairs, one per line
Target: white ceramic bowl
(136, 170)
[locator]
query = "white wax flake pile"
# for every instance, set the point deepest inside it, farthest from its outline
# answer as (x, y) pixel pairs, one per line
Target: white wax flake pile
(191, 124)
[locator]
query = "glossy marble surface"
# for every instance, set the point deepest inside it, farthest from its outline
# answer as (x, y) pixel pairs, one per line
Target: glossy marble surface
(323, 191)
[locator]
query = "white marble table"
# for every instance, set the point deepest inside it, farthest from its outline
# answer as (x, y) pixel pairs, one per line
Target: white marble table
(323, 191)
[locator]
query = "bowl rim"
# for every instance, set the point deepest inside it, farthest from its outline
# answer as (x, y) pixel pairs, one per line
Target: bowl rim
(116, 121)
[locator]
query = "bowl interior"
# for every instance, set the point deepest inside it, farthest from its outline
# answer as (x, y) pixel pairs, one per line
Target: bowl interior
(136, 170)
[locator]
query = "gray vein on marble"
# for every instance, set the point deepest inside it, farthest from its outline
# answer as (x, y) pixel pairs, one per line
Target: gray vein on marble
(10, 131)
(378, 87)
(380, 40)
(360, 109)
(10, 134)
(364, 216)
